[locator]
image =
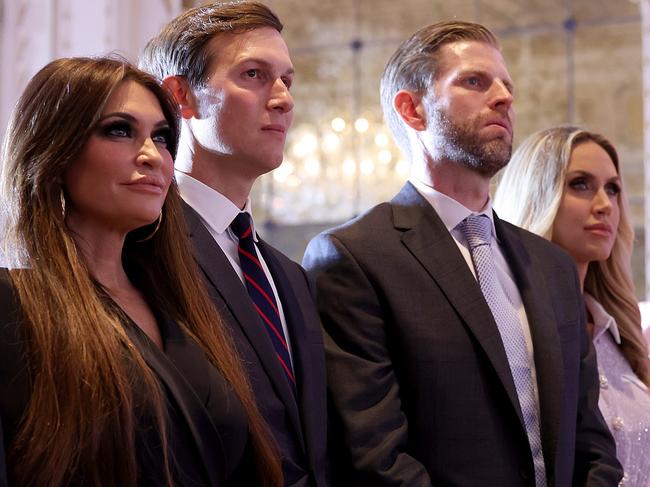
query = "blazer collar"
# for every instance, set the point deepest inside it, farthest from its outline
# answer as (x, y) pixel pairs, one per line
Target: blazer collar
(428, 240)
(533, 288)
(224, 280)
(205, 435)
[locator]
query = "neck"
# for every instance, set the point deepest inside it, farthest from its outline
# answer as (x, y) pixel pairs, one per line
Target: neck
(582, 273)
(101, 251)
(463, 184)
(221, 172)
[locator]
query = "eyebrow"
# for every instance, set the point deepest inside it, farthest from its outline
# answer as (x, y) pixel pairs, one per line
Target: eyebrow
(127, 116)
(265, 63)
(481, 72)
(581, 172)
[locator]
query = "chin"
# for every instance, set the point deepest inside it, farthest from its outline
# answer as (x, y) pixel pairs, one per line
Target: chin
(597, 255)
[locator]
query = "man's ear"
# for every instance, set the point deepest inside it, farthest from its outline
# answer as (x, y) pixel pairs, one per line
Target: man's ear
(183, 95)
(409, 107)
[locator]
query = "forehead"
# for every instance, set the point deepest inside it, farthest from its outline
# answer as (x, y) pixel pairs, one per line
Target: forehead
(130, 96)
(264, 44)
(462, 56)
(591, 157)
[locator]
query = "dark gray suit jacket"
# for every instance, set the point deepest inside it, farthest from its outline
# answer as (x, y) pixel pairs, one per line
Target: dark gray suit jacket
(419, 382)
(298, 424)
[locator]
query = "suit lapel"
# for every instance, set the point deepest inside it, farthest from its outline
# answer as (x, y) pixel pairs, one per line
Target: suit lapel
(295, 320)
(427, 238)
(207, 438)
(546, 342)
(224, 280)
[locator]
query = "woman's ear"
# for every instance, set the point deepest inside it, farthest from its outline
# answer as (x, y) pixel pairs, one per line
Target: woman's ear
(409, 107)
(183, 94)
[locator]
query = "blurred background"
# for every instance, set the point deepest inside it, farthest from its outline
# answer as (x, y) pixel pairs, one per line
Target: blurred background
(572, 61)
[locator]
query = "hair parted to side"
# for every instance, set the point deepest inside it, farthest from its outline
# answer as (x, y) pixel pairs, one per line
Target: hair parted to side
(80, 422)
(413, 66)
(529, 195)
(181, 48)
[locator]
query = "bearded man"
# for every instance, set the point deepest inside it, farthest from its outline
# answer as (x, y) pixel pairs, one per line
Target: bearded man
(456, 347)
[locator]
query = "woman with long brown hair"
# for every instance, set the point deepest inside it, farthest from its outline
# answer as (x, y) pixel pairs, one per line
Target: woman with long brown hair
(564, 184)
(115, 369)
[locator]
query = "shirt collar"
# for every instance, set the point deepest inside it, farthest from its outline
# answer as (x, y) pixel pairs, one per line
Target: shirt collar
(603, 321)
(216, 210)
(450, 211)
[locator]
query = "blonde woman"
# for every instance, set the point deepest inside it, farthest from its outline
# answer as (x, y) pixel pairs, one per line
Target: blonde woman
(564, 183)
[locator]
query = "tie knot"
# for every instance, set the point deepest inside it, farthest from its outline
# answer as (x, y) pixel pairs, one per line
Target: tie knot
(241, 226)
(477, 230)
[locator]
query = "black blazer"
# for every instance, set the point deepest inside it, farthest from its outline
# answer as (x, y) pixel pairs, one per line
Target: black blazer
(3, 466)
(418, 376)
(298, 424)
(208, 440)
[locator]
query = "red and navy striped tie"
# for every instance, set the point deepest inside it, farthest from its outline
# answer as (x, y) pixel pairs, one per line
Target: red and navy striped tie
(260, 291)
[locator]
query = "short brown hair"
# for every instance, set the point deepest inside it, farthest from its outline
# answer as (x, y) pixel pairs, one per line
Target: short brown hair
(413, 65)
(181, 48)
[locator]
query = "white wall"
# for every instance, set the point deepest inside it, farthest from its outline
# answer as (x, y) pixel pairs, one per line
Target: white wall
(34, 32)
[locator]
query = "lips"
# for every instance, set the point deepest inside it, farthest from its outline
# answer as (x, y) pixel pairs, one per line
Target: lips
(281, 129)
(147, 183)
(600, 229)
(501, 122)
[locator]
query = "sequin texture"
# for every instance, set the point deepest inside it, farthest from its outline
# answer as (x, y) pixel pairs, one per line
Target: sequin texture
(624, 400)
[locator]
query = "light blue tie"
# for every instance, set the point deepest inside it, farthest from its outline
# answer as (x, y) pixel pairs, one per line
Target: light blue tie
(478, 233)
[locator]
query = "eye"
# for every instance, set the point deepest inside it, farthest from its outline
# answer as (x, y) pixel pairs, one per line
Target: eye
(117, 129)
(613, 189)
(474, 82)
(579, 184)
(162, 136)
(253, 73)
(287, 81)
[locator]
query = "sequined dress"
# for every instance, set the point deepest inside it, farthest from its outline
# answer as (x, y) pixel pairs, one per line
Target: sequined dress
(624, 399)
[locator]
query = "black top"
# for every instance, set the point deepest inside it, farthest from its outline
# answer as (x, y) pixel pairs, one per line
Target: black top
(207, 429)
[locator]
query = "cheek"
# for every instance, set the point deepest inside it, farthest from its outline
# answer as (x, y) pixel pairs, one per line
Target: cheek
(616, 214)
(567, 219)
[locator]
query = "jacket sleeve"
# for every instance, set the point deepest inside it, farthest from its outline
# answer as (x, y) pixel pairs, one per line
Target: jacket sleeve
(368, 429)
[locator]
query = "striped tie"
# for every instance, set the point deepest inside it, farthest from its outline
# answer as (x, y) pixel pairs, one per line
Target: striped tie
(260, 291)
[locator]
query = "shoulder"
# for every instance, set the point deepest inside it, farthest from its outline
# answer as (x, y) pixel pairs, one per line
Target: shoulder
(8, 297)
(535, 245)
(369, 223)
(11, 323)
(292, 269)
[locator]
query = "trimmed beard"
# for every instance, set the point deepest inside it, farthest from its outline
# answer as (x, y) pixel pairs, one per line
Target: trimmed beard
(459, 142)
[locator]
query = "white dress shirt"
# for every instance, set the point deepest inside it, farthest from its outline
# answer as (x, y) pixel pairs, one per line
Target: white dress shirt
(452, 213)
(217, 213)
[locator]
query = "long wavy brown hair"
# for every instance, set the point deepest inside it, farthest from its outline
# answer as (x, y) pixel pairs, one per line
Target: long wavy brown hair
(80, 425)
(529, 195)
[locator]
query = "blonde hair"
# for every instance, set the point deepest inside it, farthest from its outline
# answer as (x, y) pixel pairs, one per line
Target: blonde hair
(87, 378)
(529, 195)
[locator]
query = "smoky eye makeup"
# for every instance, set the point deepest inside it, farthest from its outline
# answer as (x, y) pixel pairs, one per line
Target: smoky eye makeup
(578, 182)
(162, 135)
(115, 128)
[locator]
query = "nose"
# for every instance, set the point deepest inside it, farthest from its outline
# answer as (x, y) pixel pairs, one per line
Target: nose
(281, 99)
(149, 155)
(501, 97)
(602, 203)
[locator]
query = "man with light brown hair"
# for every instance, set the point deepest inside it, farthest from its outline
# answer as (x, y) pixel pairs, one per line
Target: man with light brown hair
(230, 72)
(456, 347)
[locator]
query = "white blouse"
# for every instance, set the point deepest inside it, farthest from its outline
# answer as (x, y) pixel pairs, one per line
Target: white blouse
(624, 399)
